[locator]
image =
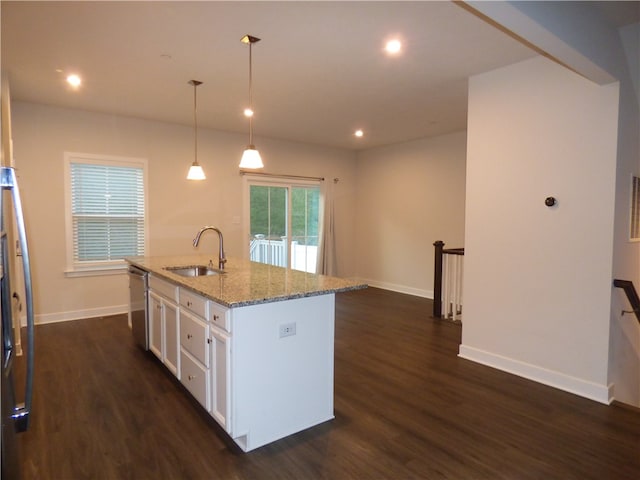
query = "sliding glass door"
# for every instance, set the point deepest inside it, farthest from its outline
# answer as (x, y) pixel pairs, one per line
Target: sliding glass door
(284, 224)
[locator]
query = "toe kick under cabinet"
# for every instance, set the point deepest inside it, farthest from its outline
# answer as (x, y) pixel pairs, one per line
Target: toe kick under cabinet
(263, 371)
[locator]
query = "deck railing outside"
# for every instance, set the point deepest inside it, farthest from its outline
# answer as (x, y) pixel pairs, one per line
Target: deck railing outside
(275, 252)
(271, 251)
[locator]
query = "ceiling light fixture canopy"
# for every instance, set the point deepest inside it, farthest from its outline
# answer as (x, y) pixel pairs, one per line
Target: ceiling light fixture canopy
(251, 157)
(195, 171)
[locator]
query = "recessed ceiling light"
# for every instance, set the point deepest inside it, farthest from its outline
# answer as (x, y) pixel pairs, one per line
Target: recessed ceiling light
(393, 46)
(359, 133)
(74, 80)
(248, 112)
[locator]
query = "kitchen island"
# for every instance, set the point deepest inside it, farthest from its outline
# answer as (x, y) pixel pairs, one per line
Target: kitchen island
(254, 345)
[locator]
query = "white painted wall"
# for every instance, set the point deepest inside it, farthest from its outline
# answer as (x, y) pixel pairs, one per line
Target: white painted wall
(409, 196)
(578, 36)
(630, 38)
(538, 279)
(177, 207)
(624, 356)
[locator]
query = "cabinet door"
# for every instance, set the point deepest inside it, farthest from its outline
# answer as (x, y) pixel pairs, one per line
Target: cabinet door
(171, 341)
(220, 372)
(155, 325)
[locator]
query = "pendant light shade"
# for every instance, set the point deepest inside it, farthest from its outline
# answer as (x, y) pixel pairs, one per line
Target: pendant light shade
(251, 157)
(195, 171)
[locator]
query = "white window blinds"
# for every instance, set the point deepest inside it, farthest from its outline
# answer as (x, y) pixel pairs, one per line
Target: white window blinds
(107, 210)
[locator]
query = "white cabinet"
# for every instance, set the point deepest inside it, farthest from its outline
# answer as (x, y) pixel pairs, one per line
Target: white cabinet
(262, 371)
(220, 375)
(171, 340)
(220, 316)
(205, 351)
(195, 351)
(194, 357)
(220, 364)
(195, 377)
(281, 368)
(194, 336)
(164, 320)
(155, 325)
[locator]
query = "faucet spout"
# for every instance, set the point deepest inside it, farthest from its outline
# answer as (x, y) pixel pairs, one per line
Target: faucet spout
(221, 257)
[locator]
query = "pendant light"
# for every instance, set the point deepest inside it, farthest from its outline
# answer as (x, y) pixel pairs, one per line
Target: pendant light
(195, 171)
(251, 157)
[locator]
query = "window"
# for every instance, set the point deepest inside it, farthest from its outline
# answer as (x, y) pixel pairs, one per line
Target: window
(105, 211)
(634, 216)
(284, 223)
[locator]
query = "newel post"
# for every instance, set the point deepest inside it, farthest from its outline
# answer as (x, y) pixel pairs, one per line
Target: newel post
(437, 279)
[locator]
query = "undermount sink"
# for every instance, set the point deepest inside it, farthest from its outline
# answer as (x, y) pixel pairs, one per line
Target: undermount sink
(194, 270)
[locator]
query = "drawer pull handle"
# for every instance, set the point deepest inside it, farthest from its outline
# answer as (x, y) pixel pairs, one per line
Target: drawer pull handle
(189, 336)
(216, 318)
(208, 340)
(188, 304)
(191, 377)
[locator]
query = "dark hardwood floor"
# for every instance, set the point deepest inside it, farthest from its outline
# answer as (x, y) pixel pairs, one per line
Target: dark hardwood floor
(406, 407)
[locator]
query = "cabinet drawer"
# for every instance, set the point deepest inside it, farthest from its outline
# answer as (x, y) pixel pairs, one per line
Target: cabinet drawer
(194, 302)
(195, 378)
(219, 316)
(163, 287)
(194, 337)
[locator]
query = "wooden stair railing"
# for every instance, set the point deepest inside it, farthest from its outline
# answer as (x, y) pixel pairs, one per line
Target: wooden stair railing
(632, 296)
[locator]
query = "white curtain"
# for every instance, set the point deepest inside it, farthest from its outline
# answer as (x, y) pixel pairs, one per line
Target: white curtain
(327, 244)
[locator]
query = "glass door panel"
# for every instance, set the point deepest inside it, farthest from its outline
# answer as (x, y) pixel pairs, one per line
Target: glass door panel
(268, 225)
(284, 225)
(305, 203)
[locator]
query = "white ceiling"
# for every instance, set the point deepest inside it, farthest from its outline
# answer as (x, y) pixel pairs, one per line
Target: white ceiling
(319, 71)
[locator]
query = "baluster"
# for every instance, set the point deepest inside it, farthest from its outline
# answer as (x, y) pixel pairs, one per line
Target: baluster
(445, 282)
(437, 279)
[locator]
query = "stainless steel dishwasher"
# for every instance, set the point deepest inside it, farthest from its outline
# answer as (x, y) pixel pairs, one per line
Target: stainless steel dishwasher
(138, 305)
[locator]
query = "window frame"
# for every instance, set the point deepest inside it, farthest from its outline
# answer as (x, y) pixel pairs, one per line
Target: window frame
(104, 267)
(277, 181)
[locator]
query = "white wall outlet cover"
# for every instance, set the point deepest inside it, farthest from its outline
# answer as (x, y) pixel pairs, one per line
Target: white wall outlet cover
(287, 329)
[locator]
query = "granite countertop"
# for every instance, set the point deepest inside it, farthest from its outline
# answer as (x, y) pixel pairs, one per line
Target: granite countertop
(245, 282)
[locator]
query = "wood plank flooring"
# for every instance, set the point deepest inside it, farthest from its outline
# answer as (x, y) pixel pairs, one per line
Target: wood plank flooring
(406, 408)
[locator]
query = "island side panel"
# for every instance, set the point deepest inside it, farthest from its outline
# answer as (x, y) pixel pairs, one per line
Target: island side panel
(281, 385)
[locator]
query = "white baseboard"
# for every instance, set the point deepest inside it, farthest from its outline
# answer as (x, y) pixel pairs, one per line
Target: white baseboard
(418, 292)
(78, 314)
(561, 381)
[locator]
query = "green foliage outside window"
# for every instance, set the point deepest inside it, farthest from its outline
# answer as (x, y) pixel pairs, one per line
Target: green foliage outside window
(268, 214)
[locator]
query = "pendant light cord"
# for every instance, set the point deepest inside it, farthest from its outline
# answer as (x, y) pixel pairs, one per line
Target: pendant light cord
(250, 157)
(195, 119)
(250, 96)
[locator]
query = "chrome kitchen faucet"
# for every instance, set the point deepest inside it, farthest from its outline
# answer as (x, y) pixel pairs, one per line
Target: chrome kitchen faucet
(221, 258)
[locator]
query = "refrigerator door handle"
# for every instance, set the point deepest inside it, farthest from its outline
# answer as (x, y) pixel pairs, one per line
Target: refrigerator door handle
(22, 411)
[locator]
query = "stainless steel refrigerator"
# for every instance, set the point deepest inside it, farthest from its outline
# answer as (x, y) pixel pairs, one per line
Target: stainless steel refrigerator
(16, 392)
